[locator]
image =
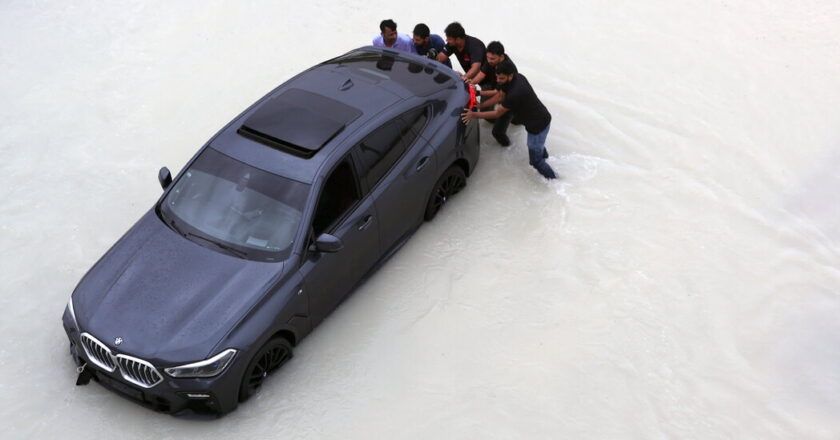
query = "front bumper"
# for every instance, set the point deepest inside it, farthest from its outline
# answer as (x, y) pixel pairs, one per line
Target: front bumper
(213, 395)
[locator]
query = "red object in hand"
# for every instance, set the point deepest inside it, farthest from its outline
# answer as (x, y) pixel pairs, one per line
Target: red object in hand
(472, 102)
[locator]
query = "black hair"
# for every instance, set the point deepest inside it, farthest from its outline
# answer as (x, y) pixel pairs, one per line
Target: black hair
(496, 48)
(506, 67)
(387, 24)
(421, 30)
(455, 30)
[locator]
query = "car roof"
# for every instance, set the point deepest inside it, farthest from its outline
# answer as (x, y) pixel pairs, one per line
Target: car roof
(295, 128)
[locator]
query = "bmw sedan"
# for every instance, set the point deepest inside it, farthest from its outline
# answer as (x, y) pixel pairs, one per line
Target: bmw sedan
(268, 227)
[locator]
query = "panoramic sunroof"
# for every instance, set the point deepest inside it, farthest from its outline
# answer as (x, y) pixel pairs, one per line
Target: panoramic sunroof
(298, 121)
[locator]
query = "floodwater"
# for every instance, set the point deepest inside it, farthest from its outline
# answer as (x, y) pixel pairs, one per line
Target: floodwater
(682, 279)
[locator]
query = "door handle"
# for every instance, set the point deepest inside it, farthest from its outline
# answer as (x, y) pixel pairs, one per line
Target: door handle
(423, 162)
(366, 222)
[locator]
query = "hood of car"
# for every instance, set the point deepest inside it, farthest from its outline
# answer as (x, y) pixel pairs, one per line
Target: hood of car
(167, 299)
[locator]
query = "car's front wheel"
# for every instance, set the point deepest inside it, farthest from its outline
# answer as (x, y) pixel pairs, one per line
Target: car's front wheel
(269, 358)
(450, 183)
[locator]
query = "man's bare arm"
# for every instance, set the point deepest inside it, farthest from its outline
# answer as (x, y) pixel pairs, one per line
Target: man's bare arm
(496, 97)
(495, 114)
(474, 69)
(478, 78)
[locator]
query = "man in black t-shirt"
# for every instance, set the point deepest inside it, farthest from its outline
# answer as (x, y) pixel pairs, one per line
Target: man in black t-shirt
(486, 78)
(519, 97)
(469, 50)
(494, 55)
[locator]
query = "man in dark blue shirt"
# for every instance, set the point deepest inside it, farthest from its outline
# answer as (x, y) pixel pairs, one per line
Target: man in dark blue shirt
(428, 44)
(519, 97)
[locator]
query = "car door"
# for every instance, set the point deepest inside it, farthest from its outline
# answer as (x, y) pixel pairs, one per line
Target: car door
(343, 212)
(400, 168)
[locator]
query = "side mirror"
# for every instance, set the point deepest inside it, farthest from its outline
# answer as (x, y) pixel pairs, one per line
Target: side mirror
(328, 243)
(164, 177)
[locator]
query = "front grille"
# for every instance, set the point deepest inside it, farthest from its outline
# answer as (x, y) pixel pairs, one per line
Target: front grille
(132, 369)
(138, 371)
(98, 353)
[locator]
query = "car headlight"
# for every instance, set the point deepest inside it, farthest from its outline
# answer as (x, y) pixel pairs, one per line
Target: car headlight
(205, 368)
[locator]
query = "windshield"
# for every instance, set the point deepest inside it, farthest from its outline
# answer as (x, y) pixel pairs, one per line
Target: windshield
(236, 208)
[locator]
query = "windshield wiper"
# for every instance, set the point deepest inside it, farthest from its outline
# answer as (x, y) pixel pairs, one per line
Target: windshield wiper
(229, 249)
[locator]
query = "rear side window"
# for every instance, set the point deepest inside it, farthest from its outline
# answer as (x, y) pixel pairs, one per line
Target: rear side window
(339, 194)
(381, 149)
(416, 119)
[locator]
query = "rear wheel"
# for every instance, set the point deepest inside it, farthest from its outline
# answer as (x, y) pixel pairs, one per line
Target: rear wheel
(269, 358)
(450, 183)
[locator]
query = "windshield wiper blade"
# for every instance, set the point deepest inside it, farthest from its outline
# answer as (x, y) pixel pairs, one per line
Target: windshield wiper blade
(229, 249)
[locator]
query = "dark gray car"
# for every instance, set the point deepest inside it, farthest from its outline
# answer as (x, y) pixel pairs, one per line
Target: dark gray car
(268, 227)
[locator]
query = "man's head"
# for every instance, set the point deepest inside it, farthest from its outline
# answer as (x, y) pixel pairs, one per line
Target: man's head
(455, 35)
(388, 29)
(495, 53)
(421, 35)
(505, 72)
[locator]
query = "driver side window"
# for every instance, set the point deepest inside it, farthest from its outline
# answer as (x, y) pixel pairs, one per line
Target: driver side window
(339, 194)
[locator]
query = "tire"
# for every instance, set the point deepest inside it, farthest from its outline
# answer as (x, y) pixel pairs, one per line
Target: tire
(269, 358)
(450, 183)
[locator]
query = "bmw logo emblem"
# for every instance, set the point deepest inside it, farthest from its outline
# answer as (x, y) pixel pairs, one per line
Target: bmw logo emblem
(118, 341)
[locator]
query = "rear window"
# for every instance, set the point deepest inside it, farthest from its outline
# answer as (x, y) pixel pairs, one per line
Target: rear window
(420, 78)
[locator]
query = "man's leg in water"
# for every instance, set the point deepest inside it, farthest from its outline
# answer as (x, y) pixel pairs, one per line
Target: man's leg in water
(536, 153)
(500, 129)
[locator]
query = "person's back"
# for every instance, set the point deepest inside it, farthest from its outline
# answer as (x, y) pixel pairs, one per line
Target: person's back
(521, 99)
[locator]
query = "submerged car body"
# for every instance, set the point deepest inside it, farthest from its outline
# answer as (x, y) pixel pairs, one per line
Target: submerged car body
(268, 227)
